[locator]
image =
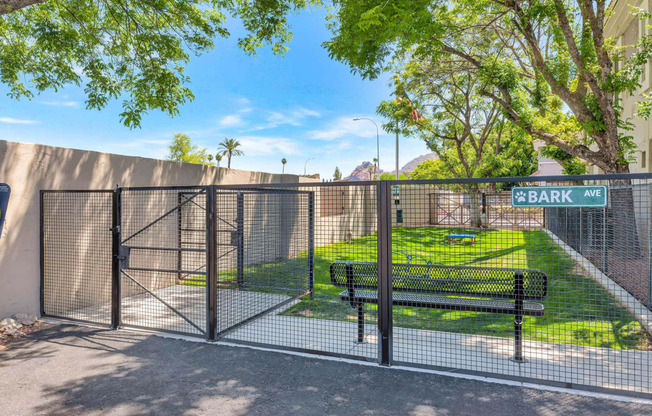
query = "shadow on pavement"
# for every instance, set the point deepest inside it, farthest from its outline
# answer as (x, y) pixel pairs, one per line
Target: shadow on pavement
(65, 370)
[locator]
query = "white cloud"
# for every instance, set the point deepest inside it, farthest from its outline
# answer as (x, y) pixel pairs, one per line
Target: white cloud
(294, 117)
(257, 145)
(242, 101)
(61, 103)
(344, 127)
(231, 120)
(11, 120)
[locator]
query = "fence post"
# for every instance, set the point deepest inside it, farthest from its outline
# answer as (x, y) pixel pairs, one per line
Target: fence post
(41, 256)
(649, 250)
(311, 244)
(384, 211)
(115, 267)
(179, 237)
(240, 231)
(211, 263)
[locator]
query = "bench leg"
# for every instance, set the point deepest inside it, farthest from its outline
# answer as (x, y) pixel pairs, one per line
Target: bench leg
(518, 340)
(518, 319)
(360, 324)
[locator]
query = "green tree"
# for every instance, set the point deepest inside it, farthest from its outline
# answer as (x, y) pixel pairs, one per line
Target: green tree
(391, 177)
(545, 63)
(465, 129)
(338, 174)
(135, 51)
(218, 159)
(229, 148)
(182, 150)
(284, 161)
(571, 165)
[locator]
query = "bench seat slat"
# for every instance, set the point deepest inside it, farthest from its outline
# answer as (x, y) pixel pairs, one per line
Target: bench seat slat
(444, 280)
(443, 302)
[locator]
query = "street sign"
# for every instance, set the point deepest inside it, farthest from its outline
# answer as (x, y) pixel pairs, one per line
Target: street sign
(4, 201)
(395, 191)
(559, 196)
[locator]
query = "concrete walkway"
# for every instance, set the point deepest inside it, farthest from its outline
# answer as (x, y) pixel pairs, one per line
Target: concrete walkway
(68, 370)
(190, 301)
(578, 365)
(575, 364)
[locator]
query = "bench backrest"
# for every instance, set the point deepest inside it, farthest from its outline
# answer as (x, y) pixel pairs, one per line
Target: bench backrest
(447, 280)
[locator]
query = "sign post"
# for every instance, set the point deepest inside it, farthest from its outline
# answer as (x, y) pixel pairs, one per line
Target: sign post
(5, 190)
(560, 196)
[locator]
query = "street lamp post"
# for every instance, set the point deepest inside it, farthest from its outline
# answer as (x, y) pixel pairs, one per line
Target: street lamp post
(377, 142)
(396, 149)
(305, 165)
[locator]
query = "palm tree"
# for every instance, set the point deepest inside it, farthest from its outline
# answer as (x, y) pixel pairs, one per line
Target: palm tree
(218, 159)
(229, 147)
(284, 161)
(376, 165)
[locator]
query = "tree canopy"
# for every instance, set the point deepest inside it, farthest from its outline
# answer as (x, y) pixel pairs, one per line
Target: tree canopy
(182, 150)
(546, 64)
(134, 51)
(229, 148)
(465, 129)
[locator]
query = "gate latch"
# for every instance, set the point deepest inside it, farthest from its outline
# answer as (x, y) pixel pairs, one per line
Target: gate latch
(123, 256)
(115, 230)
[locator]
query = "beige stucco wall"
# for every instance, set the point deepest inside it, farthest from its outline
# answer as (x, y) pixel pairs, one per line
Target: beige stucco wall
(29, 168)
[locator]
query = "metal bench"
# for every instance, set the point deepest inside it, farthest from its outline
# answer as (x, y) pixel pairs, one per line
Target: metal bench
(461, 288)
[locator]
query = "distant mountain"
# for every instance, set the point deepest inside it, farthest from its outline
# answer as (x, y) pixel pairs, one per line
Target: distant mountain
(361, 173)
(412, 164)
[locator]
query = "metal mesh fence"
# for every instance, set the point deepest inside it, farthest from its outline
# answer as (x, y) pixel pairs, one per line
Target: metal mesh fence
(262, 254)
(441, 274)
(163, 270)
(76, 255)
(576, 326)
(615, 239)
(292, 238)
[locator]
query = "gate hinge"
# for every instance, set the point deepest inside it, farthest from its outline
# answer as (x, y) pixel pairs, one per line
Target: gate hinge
(115, 230)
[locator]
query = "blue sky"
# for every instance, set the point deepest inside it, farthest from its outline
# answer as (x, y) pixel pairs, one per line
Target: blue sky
(299, 107)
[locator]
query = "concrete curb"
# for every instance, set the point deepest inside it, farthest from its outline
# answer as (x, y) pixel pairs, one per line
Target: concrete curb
(627, 301)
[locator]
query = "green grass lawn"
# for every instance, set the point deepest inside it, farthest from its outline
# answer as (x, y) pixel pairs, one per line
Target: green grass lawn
(578, 310)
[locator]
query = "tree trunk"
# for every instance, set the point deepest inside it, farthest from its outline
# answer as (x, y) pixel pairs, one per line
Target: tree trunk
(475, 209)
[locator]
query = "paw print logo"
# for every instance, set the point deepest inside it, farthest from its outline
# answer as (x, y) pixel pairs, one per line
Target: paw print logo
(520, 196)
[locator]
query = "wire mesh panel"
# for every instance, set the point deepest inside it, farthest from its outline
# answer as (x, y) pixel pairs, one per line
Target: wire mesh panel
(548, 294)
(163, 259)
(291, 238)
(76, 255)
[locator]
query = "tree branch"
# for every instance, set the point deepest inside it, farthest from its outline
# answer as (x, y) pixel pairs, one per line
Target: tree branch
(10, 6)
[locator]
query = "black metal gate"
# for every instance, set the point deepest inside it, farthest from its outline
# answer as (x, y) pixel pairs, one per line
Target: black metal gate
(559, 296)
